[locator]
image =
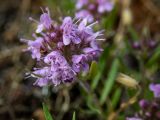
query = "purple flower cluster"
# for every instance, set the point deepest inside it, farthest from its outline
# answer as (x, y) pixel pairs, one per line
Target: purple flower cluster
(92, 9)
(62, 51)
(149, 44)
(150, 110)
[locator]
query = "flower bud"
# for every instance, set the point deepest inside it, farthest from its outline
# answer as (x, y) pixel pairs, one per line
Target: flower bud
(144, 104)
(136, 45)
(127, 81)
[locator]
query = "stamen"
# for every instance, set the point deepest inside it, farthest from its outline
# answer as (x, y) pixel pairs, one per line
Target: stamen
(101, 39)
(35, 75)
(100, 34)
(43, 34)
(47, 9)
(74, 19)
(31, 19)
(24, 40)
(78, 21)
(92, 24)
(27, 75)
(42, 9)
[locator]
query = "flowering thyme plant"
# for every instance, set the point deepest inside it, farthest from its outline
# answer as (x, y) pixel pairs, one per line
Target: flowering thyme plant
(62, 51)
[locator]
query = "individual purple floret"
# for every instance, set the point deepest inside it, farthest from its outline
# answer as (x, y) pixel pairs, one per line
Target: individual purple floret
(80, 63)
(70, 32)
(62, 51)
(35, 47)
(155, 88)
(45, 22)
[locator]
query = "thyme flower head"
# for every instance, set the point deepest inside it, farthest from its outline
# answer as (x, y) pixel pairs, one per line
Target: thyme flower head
(62, 51)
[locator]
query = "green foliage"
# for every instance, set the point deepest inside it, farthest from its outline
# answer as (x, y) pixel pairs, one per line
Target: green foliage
(92, 106)
(101, 67)
(116, 97)
(109, 21)
(93, 70)
(46, 112)
(74, 116)
(155, 57)
(109, 82)
(133, 33)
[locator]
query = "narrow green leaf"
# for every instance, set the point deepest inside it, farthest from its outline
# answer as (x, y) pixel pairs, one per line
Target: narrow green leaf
(101, 67)
(96, 80)
(46, 112)
(116, 97)
(92, 106)
(74, 116)
(109, 81)
(155, 57)
(133, 33)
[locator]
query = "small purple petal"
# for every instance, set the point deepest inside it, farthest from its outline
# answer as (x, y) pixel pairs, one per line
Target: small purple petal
(41, 82)
(76, 40)
(85, 67)
(78, 58)
(67, 22)
(155, 88)
(46, 20)
(66, 40)
(88, 50)
(76, 67)
(42, 72)
(80, 63)
(60, 45)
(40, 28)
(151, 87)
